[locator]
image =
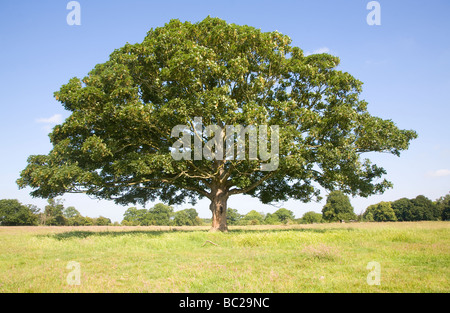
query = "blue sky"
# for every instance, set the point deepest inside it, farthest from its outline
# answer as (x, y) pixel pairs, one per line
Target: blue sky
(404, 64)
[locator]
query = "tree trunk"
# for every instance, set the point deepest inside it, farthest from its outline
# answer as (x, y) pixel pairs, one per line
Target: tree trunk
(218, 208)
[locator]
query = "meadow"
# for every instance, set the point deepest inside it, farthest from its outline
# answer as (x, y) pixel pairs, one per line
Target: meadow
(411, 257)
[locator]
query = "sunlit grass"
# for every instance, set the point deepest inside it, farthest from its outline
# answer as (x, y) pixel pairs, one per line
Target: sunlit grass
(414, 257)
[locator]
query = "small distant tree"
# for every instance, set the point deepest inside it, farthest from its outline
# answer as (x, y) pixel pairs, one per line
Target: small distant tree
(252, 218)
(13, 213)
(160, 214)
(402, 209)
(70, 212)
(284, 215)
(78, 220)
(443, 205)
(338, 208)
(102, 221)
(88, 221)
(311, 217)
(134, 217)
(271, 219)
(54, 212)
(424, 209)
(193, 216)
(73, 217)
(187, 217)
(368, 215)
(33, 209)
(381, 212)
(181, 218)
(233, 216)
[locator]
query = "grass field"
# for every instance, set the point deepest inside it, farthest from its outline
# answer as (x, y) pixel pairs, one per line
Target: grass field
(412, 257)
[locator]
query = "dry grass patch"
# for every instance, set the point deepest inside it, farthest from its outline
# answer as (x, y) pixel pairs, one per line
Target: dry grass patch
(321, 252)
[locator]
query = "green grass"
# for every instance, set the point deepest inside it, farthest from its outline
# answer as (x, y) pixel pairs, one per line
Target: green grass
(414, 257)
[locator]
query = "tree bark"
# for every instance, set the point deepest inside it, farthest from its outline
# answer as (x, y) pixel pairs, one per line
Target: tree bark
(218, 208)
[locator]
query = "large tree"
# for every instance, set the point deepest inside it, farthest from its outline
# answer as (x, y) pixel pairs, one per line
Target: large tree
(117, 143)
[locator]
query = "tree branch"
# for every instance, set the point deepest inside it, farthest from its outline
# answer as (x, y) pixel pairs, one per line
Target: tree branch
(252, 186)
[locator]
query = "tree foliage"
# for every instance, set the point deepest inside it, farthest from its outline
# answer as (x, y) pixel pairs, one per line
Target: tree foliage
(443, 205)
(401, 209)
(381, 212)
(252, 218)
(271, 219)
(53, 212)
(102, 221)
(13, 213)
(423, 209)
(338, 208)
(311, 217)
(70, 212)
(188, 217)
(233, 216)
(418, 209)
(133, 216)
(284, 215)
(159, 214)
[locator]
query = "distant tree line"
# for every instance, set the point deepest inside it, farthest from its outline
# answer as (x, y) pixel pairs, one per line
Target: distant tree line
(418, 209)
(161, 214)
(14, 213)
(336, 209)
(281, 216)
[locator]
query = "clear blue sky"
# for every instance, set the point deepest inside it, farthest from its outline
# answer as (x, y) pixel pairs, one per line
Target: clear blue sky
(404, 64)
